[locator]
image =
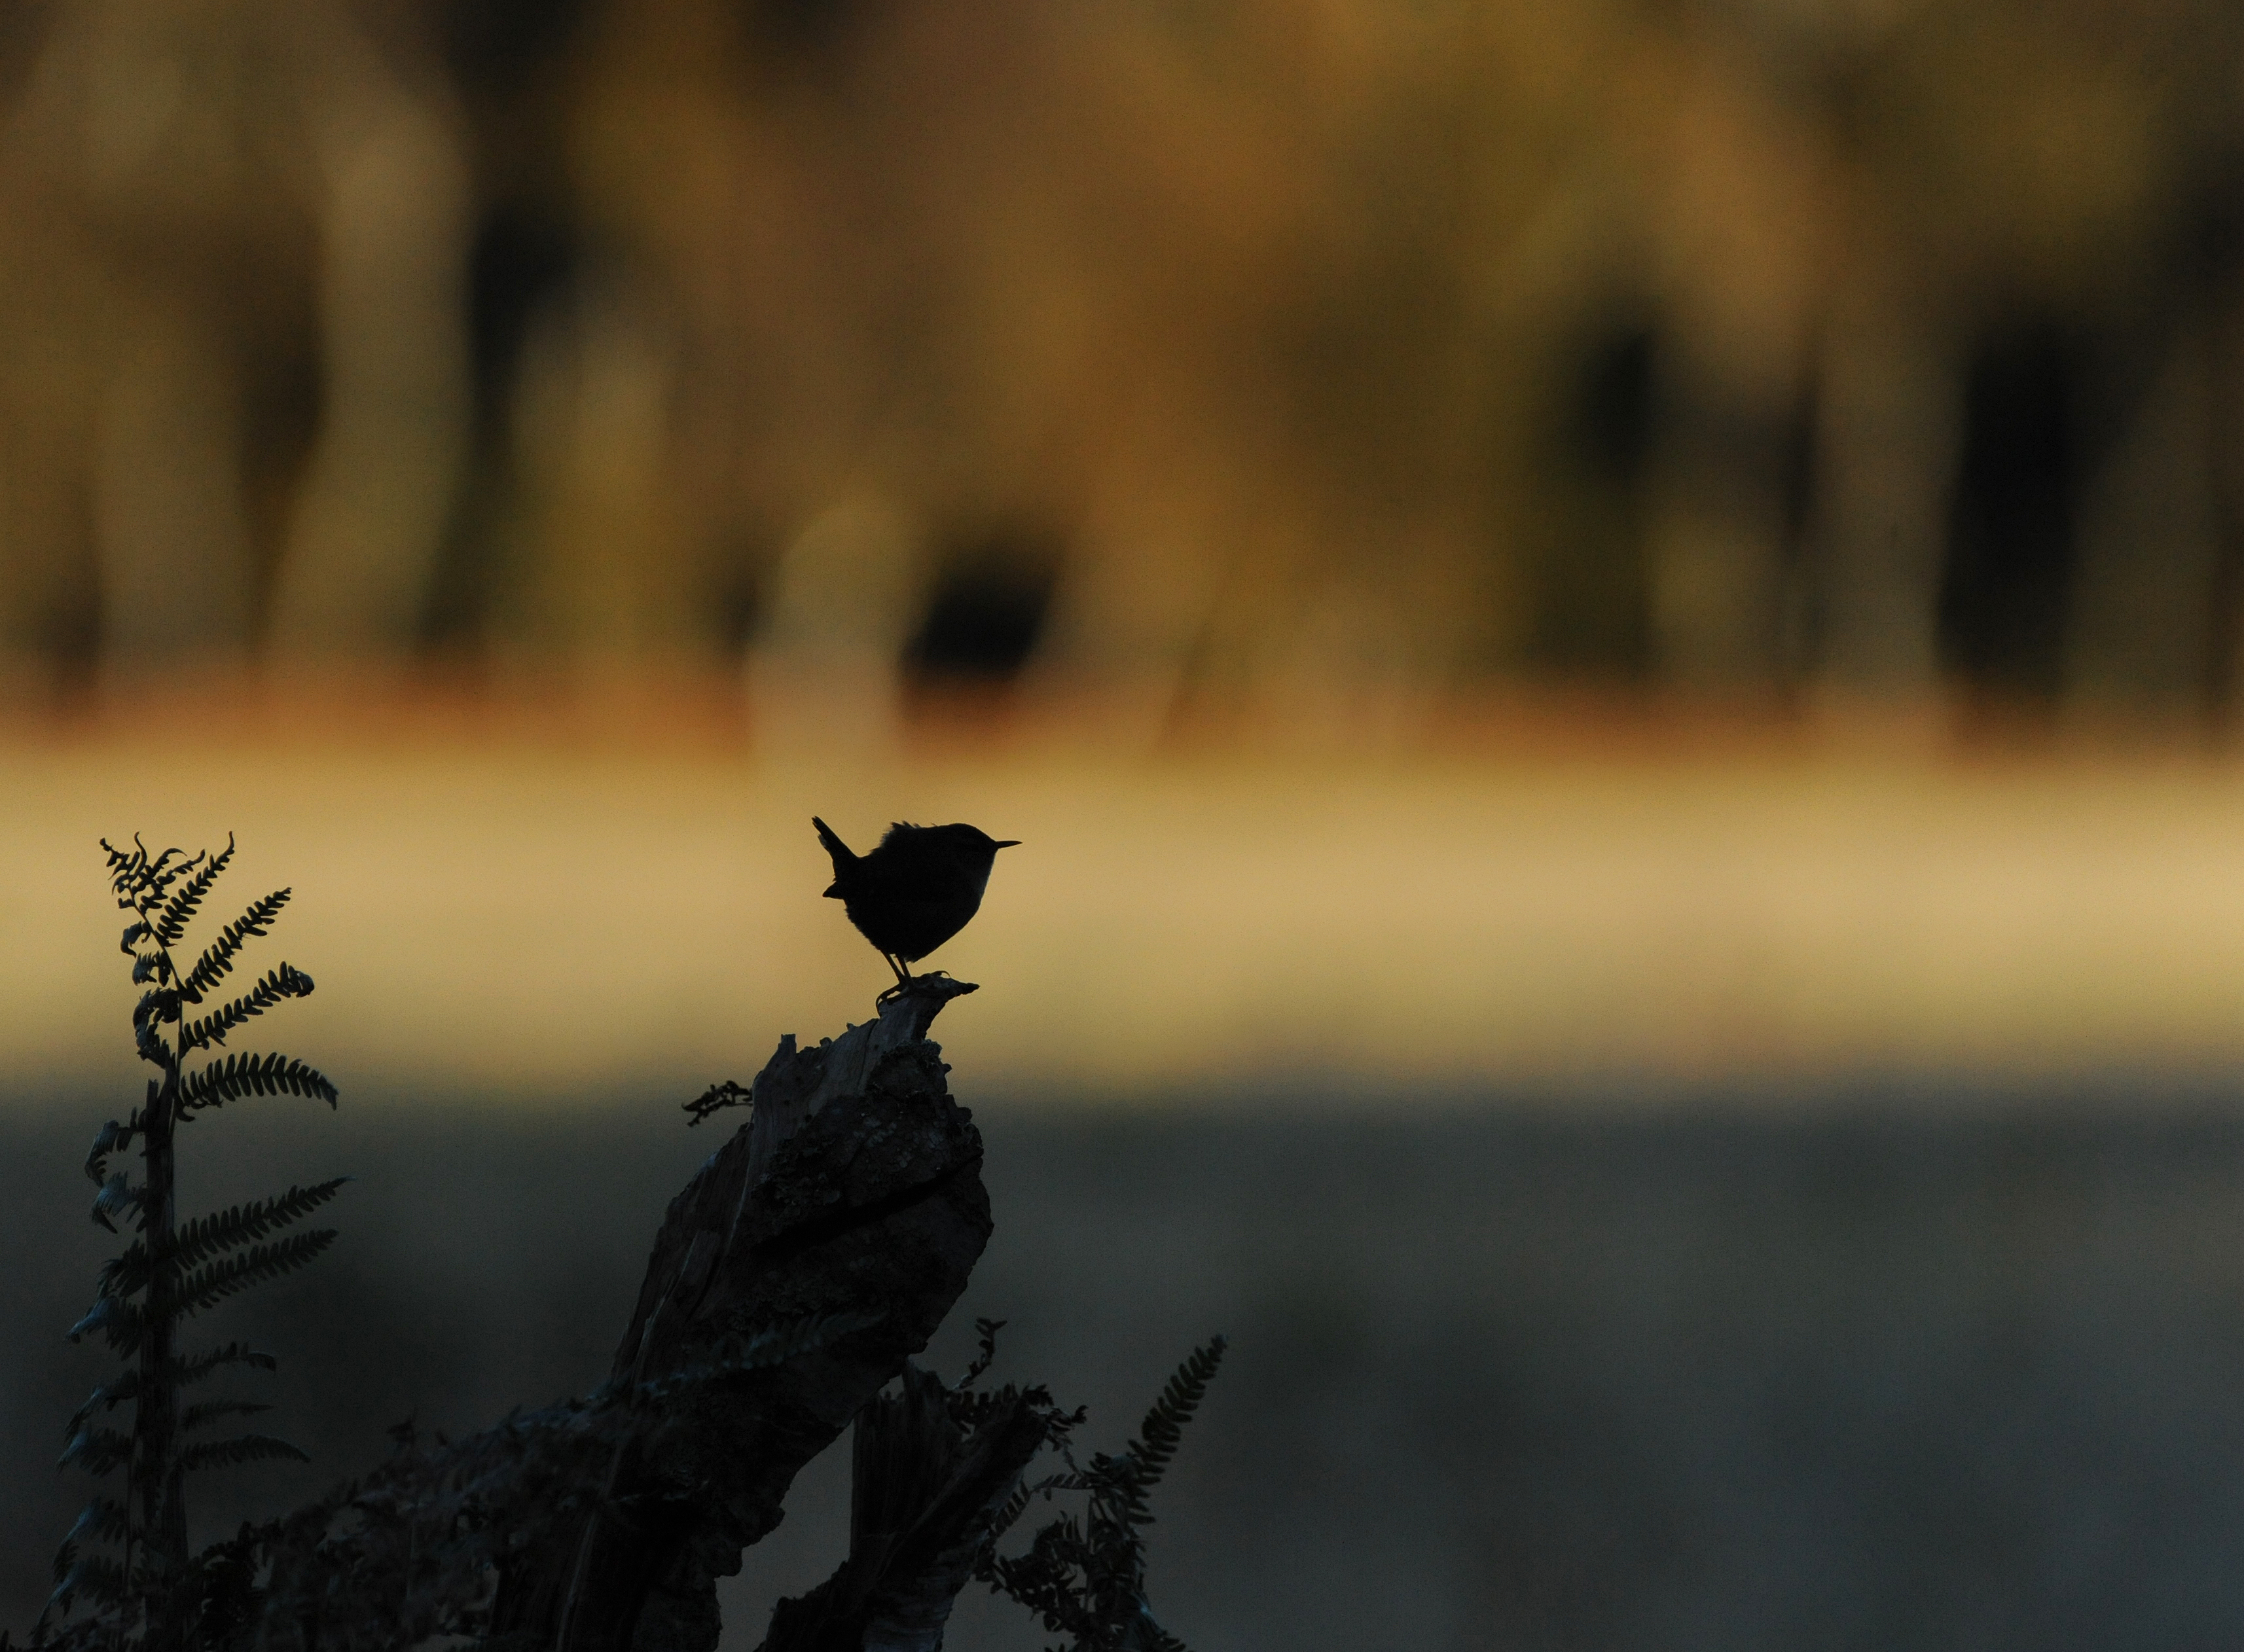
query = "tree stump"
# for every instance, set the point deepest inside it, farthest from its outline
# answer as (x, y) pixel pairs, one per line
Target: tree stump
(791, 1281)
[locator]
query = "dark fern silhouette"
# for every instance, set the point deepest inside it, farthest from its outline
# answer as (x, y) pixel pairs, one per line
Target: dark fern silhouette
(125, 1577)
(936, 1480)
(1086, 1579)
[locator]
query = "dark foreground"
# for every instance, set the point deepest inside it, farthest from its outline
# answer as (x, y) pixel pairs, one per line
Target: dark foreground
(1904, 1369)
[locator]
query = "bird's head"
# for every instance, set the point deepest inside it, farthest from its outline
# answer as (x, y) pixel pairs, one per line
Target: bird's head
(965, 841)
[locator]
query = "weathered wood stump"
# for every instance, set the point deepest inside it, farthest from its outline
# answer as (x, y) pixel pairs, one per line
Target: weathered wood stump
(792, 1280)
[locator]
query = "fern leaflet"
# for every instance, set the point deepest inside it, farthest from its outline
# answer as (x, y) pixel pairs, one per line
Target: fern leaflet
(179, 911)
(108, 1397)
(104, 1521)
(118, 1320)
(217, 961)
(118, 1196)
(207, 1286)
(124, 1274)
(204, 1414)
(196, 1367)
(114, 1137)
(97, 1450)
(286, 981)
(1158, 1436)
(232, 1078)
(94, 1574)
(209, 1236)
(242, 1448)
(986, 1354)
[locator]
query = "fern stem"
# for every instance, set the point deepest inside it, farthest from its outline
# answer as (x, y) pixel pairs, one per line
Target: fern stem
(156, 1420)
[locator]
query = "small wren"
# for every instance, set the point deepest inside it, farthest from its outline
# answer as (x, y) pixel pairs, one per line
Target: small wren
(915, 890)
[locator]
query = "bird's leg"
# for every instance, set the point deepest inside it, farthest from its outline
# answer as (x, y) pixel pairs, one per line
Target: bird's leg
(904, 979)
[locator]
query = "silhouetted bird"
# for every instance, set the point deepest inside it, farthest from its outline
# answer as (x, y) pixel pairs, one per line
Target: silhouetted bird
(913, 892)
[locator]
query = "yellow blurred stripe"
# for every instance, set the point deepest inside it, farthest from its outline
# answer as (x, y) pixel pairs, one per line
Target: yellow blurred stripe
(533, 920)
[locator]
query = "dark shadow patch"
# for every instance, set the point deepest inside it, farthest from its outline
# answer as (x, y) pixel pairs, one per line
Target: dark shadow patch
(23, 35)
(2008, 582)
(497, 45)
(1613, 415)
(521, 261)
(1588, 579)
(985, 613)
(802, 28)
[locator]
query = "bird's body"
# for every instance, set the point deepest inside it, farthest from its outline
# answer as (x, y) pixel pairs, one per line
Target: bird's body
(915, 890)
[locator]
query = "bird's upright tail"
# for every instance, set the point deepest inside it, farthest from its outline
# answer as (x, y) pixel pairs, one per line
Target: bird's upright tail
(844, 856)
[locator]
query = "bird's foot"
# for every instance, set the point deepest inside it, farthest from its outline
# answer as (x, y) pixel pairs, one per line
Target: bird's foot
(937, 983)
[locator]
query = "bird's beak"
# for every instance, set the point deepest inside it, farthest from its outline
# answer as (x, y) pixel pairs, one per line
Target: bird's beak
(1010, 843)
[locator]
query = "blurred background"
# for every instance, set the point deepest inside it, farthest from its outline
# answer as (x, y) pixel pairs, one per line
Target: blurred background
(1612, 630)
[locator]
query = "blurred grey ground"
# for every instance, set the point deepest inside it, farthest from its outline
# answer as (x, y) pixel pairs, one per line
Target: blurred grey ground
(1911, 1365)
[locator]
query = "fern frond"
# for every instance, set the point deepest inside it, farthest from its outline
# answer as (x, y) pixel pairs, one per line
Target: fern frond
(163, 874)
(210, 1285)
(140, 882)
(118, 1320)
(1159, 1435)
(242, 1448)
(179, 911)
(117, 1196)
(158, 1006)
(94, 1574)
(217, 961)
(132, 877)
(113, 1137)
(987, 1330)
(1155, 1638)
(108, 1397)
(232, 1078)
(205, 1237)
(103, 1521)
(97, 1450)
(286, 981)
(1010, 1510)
(195, 1367)
(124, 1274)
(1085, 1580)
(205, 1413)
